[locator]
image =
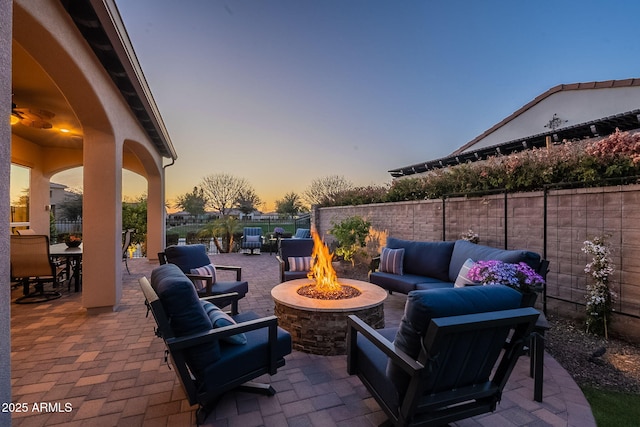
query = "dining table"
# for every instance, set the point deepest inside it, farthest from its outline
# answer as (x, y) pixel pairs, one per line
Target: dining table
(73, 258)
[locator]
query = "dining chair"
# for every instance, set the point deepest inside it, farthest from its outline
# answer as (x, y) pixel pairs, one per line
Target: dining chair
(31, 264)
(126, 242)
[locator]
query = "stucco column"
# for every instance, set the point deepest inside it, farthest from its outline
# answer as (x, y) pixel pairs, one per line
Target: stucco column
(6, 19)
(102, 221)
(38, 201)
(155, 216)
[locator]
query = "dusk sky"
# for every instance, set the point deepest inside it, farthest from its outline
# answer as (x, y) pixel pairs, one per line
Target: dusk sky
(284, 92)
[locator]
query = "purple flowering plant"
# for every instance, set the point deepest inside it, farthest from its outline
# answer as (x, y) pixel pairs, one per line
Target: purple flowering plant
(278, 230)
(518, 276)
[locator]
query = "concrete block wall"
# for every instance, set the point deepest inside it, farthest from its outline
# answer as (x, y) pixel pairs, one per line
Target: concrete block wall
(520, 221)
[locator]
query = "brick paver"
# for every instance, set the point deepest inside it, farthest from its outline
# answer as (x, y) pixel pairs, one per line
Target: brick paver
(107, 369)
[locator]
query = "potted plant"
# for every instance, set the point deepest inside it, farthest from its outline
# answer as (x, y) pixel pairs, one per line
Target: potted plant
(518, 276)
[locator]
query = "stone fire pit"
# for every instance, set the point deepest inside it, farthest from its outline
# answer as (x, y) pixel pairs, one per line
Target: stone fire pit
(319, 326)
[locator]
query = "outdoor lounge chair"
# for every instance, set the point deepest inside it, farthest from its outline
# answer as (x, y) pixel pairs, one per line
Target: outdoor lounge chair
(31, 264)
(291, 257)
(196, 265)
(212, 360)
(436, 368)
(251, 239)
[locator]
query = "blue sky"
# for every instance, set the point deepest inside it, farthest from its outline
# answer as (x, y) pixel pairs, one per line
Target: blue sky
(284, 92)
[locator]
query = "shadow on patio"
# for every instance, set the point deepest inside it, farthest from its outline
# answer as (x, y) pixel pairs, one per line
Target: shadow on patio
(108, 369)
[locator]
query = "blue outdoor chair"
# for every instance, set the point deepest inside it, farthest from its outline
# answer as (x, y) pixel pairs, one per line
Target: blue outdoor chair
(212, 353)
(191, 258)
(251, 239)
(451, 357)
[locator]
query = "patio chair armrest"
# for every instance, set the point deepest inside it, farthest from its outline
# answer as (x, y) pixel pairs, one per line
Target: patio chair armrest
(281, 264)
(374, 264)
(208, 280)
(213, 298)
(188, 341)
(399, 357)
(238, 270)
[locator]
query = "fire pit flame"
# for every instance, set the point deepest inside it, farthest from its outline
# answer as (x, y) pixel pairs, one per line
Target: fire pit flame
(322, 271)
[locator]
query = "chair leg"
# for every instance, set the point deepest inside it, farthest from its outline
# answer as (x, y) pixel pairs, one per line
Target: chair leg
(39, 295)
(261, 388)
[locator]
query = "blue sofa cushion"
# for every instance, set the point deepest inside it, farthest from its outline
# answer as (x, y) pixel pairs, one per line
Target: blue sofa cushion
(429, 259)
(463, 250)
(186, 315)
(422, 306)
(187, 257)
(397, 283)
(432, 284)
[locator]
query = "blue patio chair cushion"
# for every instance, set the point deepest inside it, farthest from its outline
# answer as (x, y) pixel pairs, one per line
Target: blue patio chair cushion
(252, 238)
(429, 259)
(372, 364)
(186, 314)
(422, 306)
(187, 257)
(237, 360)
(464, 250)
(302, 233)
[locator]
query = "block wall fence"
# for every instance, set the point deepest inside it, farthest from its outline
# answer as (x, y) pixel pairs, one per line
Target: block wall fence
(554, 223)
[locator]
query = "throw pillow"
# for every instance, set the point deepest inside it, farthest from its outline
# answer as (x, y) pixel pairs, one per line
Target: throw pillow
(462, 279)
(207, 270)
(253, 239)
(220, 319)
(299, 263)
(391, 260)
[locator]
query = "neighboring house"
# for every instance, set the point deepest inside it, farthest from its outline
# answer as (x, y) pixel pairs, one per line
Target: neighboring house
(564, 112)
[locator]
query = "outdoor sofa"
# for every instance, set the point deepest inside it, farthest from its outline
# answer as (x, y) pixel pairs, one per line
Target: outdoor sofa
(435, 265)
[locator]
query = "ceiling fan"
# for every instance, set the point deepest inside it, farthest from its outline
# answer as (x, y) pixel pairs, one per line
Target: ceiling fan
(34, 118)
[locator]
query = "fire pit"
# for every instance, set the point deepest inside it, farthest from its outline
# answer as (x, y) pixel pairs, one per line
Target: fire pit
(317, 318)
(319, 326)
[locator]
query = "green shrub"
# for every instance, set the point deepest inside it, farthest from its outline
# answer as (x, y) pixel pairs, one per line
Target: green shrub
(351, 234)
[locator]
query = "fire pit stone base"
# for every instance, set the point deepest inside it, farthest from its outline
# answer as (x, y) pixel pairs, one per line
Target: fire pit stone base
(320, 326)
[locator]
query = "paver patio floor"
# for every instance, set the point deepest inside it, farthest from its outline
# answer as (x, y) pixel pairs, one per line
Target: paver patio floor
(108, 369)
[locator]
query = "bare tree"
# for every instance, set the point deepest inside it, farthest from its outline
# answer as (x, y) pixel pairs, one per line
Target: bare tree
(222, 191)
(323, 190)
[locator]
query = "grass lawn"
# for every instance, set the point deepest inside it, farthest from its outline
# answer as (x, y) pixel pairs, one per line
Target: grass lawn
(613, 409)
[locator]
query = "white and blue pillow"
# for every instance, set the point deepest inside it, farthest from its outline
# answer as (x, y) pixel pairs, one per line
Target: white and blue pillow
(207, 270)
(462, 279)
(220, 319)
(391, 260)
(299, 263)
